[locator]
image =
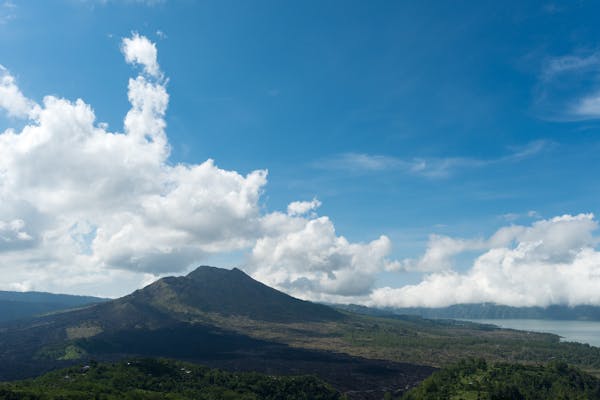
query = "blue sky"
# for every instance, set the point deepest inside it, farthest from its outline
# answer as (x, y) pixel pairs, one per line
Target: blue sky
(404, 119)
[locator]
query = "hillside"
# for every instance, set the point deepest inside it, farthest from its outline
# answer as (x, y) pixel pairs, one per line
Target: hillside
(476, 379)
(212, 316)
(225, 319)
(21, 305)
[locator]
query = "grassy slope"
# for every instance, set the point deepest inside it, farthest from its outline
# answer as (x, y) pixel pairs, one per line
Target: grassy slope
(416, 340)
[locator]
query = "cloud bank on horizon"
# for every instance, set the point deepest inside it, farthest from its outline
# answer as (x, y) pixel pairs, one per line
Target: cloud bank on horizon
(90, 210)
(553, 261)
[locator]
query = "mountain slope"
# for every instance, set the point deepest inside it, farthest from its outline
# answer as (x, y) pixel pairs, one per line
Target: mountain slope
(229, 293)
(223, 318)
(187, 308)
(212, 316)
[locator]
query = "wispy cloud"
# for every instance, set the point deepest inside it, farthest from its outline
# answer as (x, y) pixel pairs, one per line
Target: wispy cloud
(7, 11)
(569, 87)
(432, 167)
(521, 152)
(142, 2)
(587, 107)
(552, 8)
(361, 162)
(570, 63)
(514, 216)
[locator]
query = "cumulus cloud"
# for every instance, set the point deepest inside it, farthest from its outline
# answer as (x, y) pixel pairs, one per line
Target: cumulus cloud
(89, 210)
(302, 207)
(553, 261)
(11, 99)
(439, 254)
(140, 50)
(305, 257)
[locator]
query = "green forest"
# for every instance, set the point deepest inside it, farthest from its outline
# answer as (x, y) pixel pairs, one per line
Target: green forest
(163, 379)
(479, 380)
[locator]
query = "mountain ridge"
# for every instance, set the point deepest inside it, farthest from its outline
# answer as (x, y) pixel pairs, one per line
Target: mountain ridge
(485, 311)
(22, 305)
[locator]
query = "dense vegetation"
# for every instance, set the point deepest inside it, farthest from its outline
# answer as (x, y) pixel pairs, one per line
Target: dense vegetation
(163, 379)
(478, 380)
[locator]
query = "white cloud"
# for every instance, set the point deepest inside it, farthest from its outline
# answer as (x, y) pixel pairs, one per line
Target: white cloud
(88, 210)
(570, 63)
(11, 98)
(139, 50)
(440, 253)
(307, 258)
(297, 208)
(552, 261)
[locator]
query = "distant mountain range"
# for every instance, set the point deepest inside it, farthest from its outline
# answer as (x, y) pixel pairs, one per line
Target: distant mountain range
(487, 311)
(20, 305)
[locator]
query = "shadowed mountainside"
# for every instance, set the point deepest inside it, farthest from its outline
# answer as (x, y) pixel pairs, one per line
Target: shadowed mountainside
(195, 318)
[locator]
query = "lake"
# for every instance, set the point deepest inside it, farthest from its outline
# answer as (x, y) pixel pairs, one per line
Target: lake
(571, 331)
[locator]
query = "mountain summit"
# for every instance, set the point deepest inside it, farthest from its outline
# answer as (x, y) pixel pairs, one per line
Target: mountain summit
(229, 293)
(187, 316)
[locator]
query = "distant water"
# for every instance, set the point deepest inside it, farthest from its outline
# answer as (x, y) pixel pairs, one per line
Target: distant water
(570, 331)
